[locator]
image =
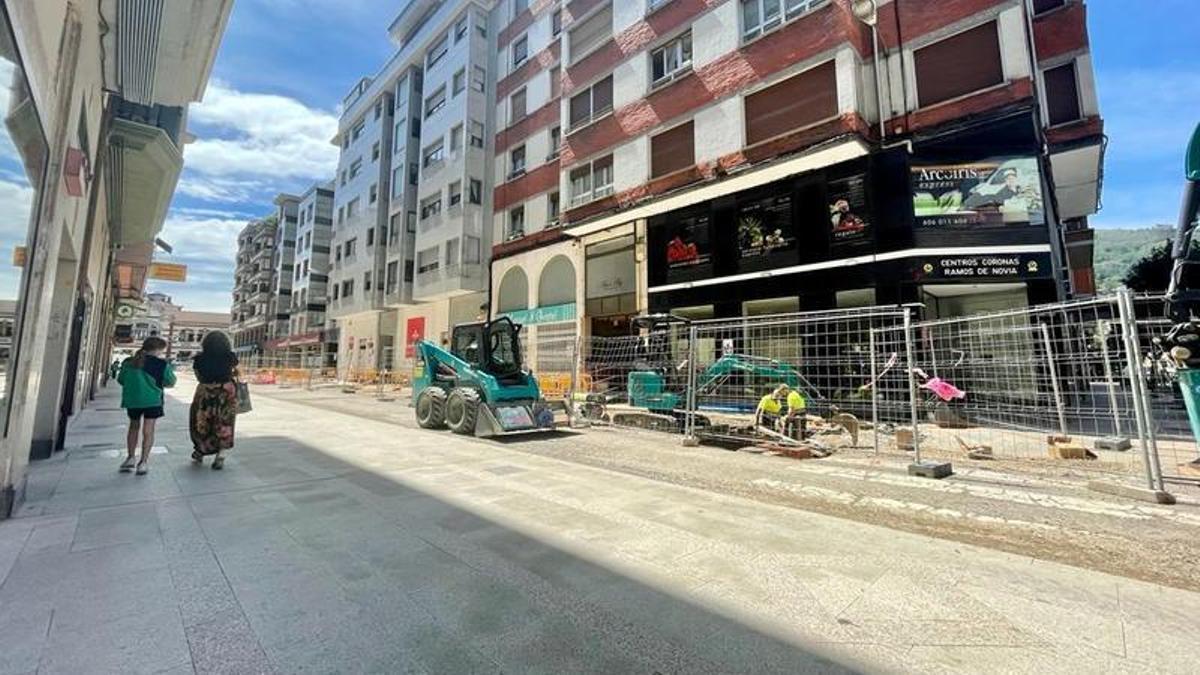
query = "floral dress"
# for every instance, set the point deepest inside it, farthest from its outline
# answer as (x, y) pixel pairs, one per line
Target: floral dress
(214, 411)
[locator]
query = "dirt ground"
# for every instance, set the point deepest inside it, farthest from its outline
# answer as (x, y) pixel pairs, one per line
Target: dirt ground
(1036, 507)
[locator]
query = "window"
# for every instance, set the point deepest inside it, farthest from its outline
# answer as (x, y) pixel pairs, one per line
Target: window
(452, 252)
(481, 24)
(591, 103)
(427, 260)
(433, 154)
(556, 22)
(516, 223)
(370, 236)
(408, 271)
(399, 136)
(763, 16)
(456, 138)
(435, 102)
(591, 33)
(348, 288)
(478, 78)
(672, 150)
(337, 253)
(346, 142)
(520, 51)
(671, 60)
(343, 177)
(357, 133)
(799, 101)
(431, 206)
(555, 82)
(475, 191)
(959, 65)
(517, 106)
(412, 173)
(341, 214)
(459, 81)
(460, 29)
(336, 292)
(351, 247)
(308, 236)
(516, 161)
(373, 194)
(398, 181)
(1062, 94)
(555, 143)
(437, 51)
(412, 222)
(552, 209)
(1043, 6)
(471, 248)
(592, 180)
(378, 109)
(393, 273)
(305, 268)
(652, 5)
(375, 152)
(352, 208)
(455, 193)
(356, 168)
(519, 6)
(416, 127)
(476, 134)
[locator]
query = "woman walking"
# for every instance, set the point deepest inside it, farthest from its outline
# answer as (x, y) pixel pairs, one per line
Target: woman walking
(143, 377)
(215, 406)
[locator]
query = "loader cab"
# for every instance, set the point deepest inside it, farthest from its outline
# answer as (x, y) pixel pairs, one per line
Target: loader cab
(493, 347)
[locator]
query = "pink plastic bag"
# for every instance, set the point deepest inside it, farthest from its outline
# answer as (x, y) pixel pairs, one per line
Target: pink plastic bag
(943, 389)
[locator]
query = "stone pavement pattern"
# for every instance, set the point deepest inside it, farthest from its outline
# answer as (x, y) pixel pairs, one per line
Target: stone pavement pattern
(336, 544)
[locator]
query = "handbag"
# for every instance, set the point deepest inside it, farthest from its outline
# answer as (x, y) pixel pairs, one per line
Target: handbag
(243, 397)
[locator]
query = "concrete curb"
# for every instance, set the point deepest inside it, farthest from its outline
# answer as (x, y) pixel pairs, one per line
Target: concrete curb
(1131, 492)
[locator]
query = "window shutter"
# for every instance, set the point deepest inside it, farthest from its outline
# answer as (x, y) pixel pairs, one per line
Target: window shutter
(794, 103)
(959, 65)
(672, 150)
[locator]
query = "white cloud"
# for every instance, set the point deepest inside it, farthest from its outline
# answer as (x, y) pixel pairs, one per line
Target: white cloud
(261, 136)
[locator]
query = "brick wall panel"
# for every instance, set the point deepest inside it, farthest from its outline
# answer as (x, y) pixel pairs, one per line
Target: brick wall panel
(1061, 32)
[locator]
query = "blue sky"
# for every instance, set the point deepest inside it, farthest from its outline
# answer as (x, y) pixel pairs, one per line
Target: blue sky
(284, 66)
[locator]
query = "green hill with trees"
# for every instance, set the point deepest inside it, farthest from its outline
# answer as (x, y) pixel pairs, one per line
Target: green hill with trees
(1118, 250)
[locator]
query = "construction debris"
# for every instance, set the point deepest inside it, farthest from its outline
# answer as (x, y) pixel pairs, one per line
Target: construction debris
(975, 451)
(1062, 447)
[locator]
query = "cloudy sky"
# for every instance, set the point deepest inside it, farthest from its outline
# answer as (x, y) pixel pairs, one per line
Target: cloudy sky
(265, 123)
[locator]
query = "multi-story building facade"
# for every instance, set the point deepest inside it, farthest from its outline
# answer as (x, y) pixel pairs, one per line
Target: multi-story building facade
(412, 228)
(307, 341)
(253, 290)
(186, 331)
(96, 105)
(279, 310)
(763, 156)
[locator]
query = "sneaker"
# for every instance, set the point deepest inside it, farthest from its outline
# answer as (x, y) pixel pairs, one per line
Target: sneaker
(197, 457)
(142, 468)
(218, 463)
(127, 465)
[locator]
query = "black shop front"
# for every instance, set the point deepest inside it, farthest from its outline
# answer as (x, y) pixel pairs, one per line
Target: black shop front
(960, 224)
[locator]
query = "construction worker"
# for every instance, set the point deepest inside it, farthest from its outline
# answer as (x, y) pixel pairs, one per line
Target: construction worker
(771, 413)
(770, 408)
(795, 423)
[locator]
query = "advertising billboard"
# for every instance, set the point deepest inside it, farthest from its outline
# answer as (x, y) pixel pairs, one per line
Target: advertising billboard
(849, 215)
(414, 332)
(764, 227)
(688, 248)
(999, 192)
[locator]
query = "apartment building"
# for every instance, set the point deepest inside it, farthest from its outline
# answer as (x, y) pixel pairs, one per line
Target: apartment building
(254, 285)
(763, 156)
(186, 331)
(307, 342)
(95, 112)
(412, 229)
(279, 307)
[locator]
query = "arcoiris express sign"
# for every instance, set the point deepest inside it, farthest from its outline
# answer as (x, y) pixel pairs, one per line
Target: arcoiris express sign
(989, 193)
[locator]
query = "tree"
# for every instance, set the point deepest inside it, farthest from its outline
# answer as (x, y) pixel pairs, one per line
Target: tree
(1152, 273)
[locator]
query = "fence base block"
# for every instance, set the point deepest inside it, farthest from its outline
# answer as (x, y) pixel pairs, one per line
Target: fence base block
(1131, 492)
(936, 470)
(1113, 443)
(690, 442)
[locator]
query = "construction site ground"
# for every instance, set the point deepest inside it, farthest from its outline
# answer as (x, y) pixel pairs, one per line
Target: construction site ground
(1028, 505)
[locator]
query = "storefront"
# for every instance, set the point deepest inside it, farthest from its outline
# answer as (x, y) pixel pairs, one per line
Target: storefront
(961, 224)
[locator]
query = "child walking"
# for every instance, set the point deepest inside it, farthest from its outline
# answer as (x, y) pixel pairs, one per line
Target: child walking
(143, 377)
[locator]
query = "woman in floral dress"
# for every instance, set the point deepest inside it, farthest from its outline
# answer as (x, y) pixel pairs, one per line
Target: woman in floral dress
(215, 405)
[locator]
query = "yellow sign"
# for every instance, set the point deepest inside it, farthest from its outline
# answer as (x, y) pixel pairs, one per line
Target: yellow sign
(18, 256)
(168, 272)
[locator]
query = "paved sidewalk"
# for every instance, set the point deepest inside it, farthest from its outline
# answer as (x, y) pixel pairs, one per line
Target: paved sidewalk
(337, 544)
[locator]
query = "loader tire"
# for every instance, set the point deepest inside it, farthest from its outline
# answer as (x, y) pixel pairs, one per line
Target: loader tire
(462, 409)
(431, 408)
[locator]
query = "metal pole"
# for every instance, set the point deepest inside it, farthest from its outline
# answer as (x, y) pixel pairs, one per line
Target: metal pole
(1058, 400)
(912, 384)
(874, 393)
(574, 380)
(690, 419)
(1147, 408)
(1105, 331)
(1133, 362)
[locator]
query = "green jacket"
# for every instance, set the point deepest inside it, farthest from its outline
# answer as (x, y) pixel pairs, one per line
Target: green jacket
(139, 386)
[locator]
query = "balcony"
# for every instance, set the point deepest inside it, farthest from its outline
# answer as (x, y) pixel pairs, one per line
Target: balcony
(448, 281)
